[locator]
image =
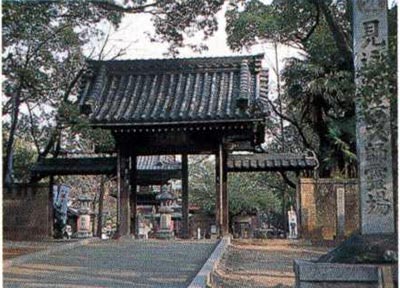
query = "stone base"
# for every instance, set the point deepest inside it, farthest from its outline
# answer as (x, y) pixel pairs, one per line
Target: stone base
(165, 234)
(314, 275)
(83, 235)
(360, 261)
(364, 249)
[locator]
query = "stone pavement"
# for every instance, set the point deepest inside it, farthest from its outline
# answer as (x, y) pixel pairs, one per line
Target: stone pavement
(115, 263)
(267, 263)
(12, 249)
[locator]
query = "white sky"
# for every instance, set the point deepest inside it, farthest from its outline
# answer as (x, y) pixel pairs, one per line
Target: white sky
(133, 36)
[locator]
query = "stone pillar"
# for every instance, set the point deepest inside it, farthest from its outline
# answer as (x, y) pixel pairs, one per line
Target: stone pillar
(185, 197)
(340, 212)
(374, 148)
(308, 209)
(123, 195)
(133, 195)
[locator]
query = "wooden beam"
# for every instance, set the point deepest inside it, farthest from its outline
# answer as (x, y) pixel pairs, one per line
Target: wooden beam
(133, 194)
(185, 197)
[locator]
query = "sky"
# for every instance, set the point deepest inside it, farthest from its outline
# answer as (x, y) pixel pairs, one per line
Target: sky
(132, 35)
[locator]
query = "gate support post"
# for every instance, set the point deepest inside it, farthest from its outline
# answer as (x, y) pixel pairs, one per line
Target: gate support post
(223, 191)
(133, 195)
(123, 195)
(185, 197)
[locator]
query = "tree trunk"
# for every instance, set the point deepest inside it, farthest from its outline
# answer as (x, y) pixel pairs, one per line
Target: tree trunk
(8, 163)
(341, 41)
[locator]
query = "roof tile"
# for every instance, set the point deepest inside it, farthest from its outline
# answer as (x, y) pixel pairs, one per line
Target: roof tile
(270, 162)
(148, 91)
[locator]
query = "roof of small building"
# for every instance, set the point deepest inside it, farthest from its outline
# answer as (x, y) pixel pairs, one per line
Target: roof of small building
(137, 92)
(271, 162)
(148, 167)
(166, 195)
(159, 162)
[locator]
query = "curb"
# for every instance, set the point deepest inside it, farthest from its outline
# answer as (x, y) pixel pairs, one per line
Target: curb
(29, 257)
(202, 277)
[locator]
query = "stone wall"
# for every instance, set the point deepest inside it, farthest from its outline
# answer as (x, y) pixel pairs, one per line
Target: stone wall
(26, 213)
(329, 208)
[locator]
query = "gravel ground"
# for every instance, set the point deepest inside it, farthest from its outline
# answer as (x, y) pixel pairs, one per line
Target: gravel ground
(115, 263)
(264, 263)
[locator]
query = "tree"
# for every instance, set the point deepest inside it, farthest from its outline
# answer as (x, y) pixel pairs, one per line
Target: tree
(248, 192)
(42, 64)
(318, 88)
(318, 96)
(44, 42)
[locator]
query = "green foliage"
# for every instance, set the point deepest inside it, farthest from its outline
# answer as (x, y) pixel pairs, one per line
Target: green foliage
(318, 96)
(248, 192)
(24, 158)
(42, 63)
(254, 21)
(175, 20)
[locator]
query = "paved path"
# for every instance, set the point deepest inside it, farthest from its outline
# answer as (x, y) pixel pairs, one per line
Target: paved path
(264, 263)
(115, 263)
(12, 249)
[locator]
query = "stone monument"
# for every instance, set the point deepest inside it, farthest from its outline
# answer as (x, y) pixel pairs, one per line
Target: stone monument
(166, 200)
(83, 227)
(373, 120)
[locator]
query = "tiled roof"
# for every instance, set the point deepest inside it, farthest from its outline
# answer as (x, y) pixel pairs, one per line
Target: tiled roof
(135, 92)
(271, 162)
(162, 162)
(78, 166)
(102, 165)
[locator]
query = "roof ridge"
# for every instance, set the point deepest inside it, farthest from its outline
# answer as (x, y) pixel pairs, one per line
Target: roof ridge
(258, 55)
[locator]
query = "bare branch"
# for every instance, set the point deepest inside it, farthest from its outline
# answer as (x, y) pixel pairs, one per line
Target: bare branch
(316, 23)
(72, 84)
(35, 141)
(294, 123)
(287, 180)
(111, 5)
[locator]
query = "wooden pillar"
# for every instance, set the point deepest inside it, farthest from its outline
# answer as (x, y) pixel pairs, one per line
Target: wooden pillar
(223, 190)
(222, 205)
(298, 205)
(50, 209)
(218, 196)
(101, 202)
(185, 197)
(284, 212)
(123, 195)
(133, 194)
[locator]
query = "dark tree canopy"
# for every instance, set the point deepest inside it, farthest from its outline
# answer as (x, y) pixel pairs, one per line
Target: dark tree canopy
(318, 88)
(43, 62)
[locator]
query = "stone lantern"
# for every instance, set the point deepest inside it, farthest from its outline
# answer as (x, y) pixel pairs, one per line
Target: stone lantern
(84, 210)
(166, 199)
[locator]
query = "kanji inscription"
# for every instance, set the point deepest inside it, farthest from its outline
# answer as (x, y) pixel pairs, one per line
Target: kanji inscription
(373, 120)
